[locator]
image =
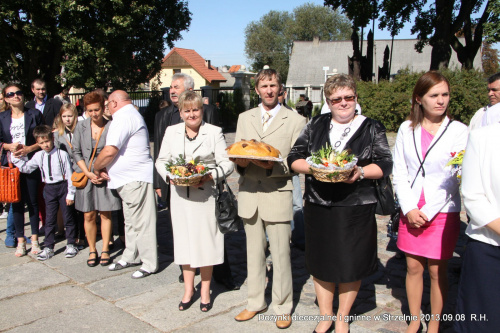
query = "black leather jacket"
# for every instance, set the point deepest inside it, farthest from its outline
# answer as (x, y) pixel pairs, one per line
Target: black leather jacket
(315, 136)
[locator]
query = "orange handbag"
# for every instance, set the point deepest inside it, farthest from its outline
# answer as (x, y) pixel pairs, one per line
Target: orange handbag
(10, 185)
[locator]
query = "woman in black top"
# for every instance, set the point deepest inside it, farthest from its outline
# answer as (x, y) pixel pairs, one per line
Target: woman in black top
(16, 134)
(341, 232)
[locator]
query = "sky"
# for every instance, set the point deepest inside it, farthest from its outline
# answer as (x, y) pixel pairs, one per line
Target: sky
(217, 30)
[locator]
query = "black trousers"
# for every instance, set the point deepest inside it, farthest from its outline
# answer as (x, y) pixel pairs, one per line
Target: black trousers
(29, 188)
(55, 197)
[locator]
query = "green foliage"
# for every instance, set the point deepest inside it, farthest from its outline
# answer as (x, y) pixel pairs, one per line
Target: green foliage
(100, 43)
(269, 40)
(490, 59)
(316, 110)
(390, 102)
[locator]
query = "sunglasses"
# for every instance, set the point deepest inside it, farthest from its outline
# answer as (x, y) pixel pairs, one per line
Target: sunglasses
(12, 94)
(349, 98)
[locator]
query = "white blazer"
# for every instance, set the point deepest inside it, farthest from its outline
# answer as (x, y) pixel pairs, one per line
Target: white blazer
(440, 186)
(210, 149)
(481, 183)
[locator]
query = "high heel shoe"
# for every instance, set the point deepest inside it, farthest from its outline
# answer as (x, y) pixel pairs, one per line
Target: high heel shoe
(330, 329)
(205, 307)
(186, 305)
(93, 261)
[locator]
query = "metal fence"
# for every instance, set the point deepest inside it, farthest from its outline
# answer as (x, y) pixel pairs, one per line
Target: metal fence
(225, 99)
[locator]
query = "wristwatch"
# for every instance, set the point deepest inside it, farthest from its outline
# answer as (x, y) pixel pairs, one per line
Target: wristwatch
(362, 176)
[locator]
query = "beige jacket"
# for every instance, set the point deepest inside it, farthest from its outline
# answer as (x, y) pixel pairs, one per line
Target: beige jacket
(269, 191)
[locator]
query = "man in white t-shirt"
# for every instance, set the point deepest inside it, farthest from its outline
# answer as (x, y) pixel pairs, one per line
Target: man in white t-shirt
(130, 171)
(488, 114)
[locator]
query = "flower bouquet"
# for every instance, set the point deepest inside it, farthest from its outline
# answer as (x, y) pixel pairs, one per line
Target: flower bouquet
(456, 163)
(328, 165)
(183, 173)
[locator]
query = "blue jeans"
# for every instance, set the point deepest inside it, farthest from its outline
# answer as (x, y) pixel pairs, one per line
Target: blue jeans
(11, 228)
(298, 234)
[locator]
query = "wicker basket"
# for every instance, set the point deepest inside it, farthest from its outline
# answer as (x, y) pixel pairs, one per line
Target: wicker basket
(187, 181)
(331, 176)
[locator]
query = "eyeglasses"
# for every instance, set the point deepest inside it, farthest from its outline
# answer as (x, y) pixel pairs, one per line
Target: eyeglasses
(348, 98)
(12, 94)
(281, 94)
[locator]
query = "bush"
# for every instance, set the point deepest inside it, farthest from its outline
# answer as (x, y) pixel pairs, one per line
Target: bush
(390, 102)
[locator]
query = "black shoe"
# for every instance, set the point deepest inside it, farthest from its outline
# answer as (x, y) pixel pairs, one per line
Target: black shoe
(186, 305)
(93, 261)
(228, 283)
(205, 307)
(105, 261)
(181, 278)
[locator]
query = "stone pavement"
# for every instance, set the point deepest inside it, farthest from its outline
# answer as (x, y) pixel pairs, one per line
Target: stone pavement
(62, 295)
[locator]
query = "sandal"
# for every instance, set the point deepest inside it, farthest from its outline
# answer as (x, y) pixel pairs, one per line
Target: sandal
(93, 261)
(21, 249)
(205, 307)
(105, 261)
(140, 274)
(35, 247)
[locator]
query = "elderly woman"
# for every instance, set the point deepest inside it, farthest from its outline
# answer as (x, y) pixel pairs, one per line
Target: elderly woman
(428, 193)
(340, 217)
(16, 134)
(95, 196)
(478, 294)
(197, 239)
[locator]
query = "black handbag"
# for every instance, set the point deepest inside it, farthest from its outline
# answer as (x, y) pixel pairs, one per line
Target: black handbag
(386, 204)
(226, 208)
(383, 186)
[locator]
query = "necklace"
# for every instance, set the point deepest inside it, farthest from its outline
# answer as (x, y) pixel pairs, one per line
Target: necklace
(343, 135)
(190, 139)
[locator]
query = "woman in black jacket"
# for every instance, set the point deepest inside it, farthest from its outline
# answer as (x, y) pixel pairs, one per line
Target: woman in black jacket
(341, 232)
(16, 135)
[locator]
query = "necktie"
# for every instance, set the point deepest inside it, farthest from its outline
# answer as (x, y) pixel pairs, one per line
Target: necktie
(265, 121)
(50, 167)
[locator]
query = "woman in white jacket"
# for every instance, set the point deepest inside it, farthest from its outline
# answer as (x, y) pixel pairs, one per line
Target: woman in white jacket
(428, 193)
(478, 307)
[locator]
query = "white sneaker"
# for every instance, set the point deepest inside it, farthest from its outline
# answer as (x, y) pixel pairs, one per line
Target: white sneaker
(45, 254)
(71, 251)
(4, 215)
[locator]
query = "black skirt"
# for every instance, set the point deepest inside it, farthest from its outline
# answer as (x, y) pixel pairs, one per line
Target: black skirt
(341, 242)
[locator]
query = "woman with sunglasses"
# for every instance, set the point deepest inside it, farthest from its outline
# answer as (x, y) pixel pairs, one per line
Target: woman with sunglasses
(16, 135)
(340, 217)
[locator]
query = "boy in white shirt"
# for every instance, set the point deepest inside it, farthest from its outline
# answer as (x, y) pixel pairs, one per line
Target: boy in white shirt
(58, 192)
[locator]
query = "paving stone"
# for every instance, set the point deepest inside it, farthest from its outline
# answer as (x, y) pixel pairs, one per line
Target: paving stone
(31, 276)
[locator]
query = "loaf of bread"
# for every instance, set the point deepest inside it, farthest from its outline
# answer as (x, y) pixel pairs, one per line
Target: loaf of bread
(252, 148)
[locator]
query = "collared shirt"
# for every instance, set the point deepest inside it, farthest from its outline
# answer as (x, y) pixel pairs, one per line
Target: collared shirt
(273, 113)
(41, 106)
(128, 133)
(59, 170)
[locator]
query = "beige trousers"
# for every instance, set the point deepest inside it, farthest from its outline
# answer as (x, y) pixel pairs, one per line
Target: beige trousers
(139, 209)
(279, 234)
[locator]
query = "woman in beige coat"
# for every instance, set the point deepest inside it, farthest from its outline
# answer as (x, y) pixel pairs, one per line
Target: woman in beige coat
(197, 239)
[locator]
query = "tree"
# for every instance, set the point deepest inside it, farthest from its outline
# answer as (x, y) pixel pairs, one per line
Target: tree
(438, 23)
(99, 43)
(269, 41)
(490, 60)
(360, 12)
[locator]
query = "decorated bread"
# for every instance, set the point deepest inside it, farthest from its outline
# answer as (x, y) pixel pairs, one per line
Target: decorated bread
(252, 148)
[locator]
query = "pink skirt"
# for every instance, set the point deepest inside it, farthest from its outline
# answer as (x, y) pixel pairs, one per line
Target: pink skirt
(435, 240)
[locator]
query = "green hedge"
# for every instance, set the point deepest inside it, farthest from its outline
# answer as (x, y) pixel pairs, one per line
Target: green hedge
(390, 102)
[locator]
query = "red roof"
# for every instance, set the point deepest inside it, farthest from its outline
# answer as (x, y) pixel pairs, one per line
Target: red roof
(208, 72)
(234, 68)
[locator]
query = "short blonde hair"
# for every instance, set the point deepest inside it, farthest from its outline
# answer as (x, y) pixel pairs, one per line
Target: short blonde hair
(191, 98)
(338, 81)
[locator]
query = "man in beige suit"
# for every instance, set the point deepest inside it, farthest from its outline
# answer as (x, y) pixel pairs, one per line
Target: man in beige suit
(265, 199)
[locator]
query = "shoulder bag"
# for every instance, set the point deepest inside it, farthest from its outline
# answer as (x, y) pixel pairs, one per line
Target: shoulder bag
(386, 205)
(10, 185)
(79, 179)
(226, 208)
